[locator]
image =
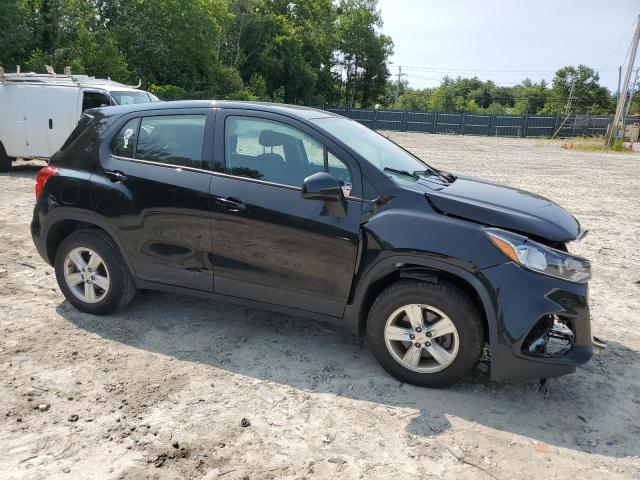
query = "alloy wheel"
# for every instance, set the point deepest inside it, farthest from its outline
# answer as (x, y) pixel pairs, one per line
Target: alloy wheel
(86, 275)
(421, 338)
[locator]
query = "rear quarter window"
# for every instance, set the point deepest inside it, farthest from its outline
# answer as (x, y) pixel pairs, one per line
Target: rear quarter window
(123, 144)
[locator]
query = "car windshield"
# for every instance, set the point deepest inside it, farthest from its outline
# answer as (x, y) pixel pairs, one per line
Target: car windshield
(129, 98)
(375, 148)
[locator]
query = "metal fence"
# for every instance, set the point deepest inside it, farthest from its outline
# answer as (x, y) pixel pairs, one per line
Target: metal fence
(476, 124)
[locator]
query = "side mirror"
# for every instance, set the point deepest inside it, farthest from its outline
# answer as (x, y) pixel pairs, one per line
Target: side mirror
(322, 186)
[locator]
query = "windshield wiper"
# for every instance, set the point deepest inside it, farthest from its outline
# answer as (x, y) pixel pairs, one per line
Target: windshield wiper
(448, 177)
(401, 172)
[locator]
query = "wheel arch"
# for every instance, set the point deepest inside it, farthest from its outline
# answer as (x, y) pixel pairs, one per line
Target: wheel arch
(60, 227)
(391, 269)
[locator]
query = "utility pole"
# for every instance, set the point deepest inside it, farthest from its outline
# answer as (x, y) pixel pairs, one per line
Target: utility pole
(568, 110)
(631, 95)
(618, 122)
(400, 75)
(619, 80)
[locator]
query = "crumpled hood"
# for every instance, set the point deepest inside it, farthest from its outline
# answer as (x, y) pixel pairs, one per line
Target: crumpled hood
(499, 206)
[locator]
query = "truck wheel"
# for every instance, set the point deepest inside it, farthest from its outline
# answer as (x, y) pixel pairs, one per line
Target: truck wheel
(425, 334)
(92, 274)
(5, 161)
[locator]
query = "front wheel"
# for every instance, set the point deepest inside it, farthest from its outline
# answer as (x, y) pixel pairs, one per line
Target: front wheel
(425, 334)
(92, 273)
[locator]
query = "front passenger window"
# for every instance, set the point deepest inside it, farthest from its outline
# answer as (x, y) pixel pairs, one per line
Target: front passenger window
(274, 152)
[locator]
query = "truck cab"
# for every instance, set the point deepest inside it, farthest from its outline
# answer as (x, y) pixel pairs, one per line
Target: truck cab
(38, 112)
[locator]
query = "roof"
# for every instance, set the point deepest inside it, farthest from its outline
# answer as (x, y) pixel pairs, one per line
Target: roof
(296, 111)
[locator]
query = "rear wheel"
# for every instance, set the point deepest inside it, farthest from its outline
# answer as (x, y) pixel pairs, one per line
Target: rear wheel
(425, 334)
(92, 273)
(5, 161)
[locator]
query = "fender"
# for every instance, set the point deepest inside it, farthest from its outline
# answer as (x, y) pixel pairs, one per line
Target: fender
(68, 213)
(353, 313)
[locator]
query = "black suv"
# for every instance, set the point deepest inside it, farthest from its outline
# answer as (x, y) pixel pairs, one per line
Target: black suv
(306, 212)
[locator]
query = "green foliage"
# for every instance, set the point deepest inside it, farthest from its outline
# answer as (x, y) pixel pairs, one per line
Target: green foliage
(313, 52)
(15, 44)
(278, 50)
(594, 144)
(472, 95)
(412, 100)
(363, 51)
(618, 146)
(243, 94)
(168, 92)
(588, 95)
(258, 87)
(278, 95)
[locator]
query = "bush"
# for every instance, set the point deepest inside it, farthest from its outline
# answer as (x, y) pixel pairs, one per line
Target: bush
(168, 92)
(618, 146)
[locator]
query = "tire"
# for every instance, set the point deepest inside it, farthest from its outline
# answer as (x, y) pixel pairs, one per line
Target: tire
(5, 161)
(455, 353)
(108, 296)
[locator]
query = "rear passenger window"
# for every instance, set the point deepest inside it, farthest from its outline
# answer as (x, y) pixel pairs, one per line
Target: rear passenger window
(172, 139)
(124, 143)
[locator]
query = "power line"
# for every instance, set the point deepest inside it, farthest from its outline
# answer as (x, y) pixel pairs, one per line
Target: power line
(622, 39)
(482, 70)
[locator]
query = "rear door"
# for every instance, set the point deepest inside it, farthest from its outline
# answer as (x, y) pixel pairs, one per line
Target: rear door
(51, 115)
(151, 188)
(12, 119)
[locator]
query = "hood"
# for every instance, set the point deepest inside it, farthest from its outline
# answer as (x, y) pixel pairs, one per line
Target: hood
(499, 206)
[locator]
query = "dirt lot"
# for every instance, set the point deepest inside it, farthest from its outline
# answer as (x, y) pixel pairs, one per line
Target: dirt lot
(160, 389)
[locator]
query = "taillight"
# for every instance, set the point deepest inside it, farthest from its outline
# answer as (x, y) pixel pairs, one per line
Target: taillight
(43, 175)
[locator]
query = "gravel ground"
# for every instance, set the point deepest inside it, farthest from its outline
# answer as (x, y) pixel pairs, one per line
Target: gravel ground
(176, 387)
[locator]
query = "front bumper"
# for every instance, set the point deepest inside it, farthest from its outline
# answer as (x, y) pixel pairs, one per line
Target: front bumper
(522, 301)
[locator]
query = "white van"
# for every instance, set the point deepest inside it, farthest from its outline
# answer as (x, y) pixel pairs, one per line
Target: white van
(39, 111)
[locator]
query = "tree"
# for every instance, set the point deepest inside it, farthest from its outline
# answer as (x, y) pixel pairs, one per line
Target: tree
(530, 97)
(363, 51)
(413, 100)
(15, 43)
(588, 95)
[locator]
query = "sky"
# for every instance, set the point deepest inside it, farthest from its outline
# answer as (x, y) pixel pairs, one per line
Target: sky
(507, 41)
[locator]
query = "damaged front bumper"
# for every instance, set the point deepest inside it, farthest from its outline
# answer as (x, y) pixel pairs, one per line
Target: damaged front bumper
(542, 325)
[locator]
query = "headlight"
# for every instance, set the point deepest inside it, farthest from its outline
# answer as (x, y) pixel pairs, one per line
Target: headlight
(540, 258)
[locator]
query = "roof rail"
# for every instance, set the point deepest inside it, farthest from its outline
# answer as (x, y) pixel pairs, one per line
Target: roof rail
(54, 79)
(66, 79)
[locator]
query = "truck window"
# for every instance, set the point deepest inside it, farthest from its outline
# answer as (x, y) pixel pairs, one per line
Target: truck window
(95, 100)
(131, 97)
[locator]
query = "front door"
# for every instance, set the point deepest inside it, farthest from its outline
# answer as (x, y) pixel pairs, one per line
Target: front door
(269, 244)
(152, 189)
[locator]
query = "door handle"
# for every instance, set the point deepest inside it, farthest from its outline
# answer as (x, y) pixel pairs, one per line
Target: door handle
(50, 124)
(115, 175)
(231, 204)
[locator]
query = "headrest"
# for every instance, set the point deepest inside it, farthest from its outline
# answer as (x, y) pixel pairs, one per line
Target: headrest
(269, 138)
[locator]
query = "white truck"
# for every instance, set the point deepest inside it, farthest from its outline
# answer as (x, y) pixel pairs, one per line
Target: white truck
(39, 111)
